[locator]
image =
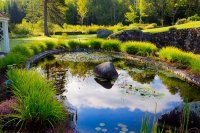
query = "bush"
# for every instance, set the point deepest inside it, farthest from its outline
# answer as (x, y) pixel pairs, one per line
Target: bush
(111, 45)
(181, 21)
(196, 17)
(139, 48)
(36, 99)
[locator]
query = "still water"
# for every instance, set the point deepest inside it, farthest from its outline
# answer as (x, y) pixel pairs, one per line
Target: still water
(141, 90)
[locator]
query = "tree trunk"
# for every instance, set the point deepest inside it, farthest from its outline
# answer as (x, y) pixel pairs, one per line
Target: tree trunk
(46, 33)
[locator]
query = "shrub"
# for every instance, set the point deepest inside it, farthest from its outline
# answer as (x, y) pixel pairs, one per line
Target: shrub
(36, 99)
(111, 45)
(195, 17)
(181, 21)
(139, 48)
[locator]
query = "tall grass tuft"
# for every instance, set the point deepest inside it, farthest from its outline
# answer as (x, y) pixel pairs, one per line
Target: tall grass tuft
(36, 99)
(139, 48)
(95, 43)
(111, 45)
(173, 54)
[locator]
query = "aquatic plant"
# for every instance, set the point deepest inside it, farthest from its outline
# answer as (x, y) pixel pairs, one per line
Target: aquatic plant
(36, 103)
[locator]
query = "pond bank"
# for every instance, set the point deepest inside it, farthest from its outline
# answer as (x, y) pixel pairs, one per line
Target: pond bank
(182, 74)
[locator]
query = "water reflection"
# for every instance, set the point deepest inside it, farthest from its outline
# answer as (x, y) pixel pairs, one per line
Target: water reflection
(139, 89)
(108, 84)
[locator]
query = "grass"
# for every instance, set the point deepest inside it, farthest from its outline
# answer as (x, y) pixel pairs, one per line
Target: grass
(145, 125)
(139, 48)
(193, 24)
(173, 54)
(36, 99)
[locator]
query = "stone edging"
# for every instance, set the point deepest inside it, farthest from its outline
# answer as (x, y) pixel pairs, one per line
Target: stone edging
(180, 73)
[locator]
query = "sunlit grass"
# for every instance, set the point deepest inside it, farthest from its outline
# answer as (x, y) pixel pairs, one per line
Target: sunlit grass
(139, 48)
(36, 99)
(182, 26)
(173, 54)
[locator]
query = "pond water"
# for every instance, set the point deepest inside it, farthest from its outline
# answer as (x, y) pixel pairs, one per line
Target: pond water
(117, 106)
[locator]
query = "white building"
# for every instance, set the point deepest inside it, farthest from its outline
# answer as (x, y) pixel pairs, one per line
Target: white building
(4, 36)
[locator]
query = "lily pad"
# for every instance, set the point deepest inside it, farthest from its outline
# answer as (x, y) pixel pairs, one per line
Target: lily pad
(102, 124)
(98, 129)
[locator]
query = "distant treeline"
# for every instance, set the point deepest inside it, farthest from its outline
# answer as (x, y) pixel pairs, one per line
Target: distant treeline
(102, 12)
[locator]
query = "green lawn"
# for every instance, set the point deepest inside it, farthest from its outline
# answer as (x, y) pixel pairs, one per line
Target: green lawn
(19, 41)
(182, 26)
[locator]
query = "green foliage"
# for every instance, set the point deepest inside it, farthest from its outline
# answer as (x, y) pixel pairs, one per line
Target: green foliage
(82, 9)
(181, 21)
(181, 26)
(50, 45)
(139, 48)
(78, 44)
(131, 15)
(95, 43)
(111, 45)
(196, 17)
(176, 55)
(36, 99)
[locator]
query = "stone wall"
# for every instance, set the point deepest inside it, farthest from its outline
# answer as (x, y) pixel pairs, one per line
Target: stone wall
(185, 39)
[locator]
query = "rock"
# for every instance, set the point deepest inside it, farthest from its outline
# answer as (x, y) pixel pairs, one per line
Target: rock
(128, 35)
(104, 33)
(71, 110)
(185, 39)
(174, 117)
(107, 84)
(106, 70)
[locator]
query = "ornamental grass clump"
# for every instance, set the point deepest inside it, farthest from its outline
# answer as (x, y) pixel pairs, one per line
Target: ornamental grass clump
(36, 100)
(95, 43)
(189, 59)
(78, 44)
(139, 48)
(175, 55)
(111, 45)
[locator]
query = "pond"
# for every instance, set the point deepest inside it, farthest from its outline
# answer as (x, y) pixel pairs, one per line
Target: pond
(141, 90)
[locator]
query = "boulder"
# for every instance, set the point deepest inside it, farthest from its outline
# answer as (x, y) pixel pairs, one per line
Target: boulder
(104, 33)
(106, 70)
(107, 84)
(174, 117)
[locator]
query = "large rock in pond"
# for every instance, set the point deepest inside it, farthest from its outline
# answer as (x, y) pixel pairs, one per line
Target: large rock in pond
(104, 33)
(174, 118)
(106, 70)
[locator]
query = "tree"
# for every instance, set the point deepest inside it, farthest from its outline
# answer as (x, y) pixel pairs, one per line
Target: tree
(131, 15)
(173, 7)
(142, 5)
(82, 9)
